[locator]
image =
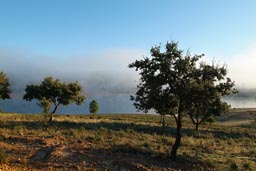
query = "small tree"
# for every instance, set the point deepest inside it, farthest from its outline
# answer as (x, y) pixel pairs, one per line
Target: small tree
(207, 89)
(52, 92)
(4, 86)
(94, 107)
(5, 90)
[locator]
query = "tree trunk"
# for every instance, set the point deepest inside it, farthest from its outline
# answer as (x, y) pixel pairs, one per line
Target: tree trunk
(163, 123)
(176, 145)
(50, 119)
(197, 126)
(161, 118)
(52, 113)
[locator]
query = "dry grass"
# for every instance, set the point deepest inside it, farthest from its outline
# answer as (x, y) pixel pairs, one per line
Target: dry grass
(118, 141)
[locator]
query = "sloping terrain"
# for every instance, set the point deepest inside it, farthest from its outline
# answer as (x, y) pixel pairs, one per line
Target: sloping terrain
(119, 142)
(237, 117)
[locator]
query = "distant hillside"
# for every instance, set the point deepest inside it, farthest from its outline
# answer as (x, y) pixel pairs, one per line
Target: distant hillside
(238, 116)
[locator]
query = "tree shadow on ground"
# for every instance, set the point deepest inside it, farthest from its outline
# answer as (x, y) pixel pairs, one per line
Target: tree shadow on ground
(119, 126)
(118, 157)
(126, 157)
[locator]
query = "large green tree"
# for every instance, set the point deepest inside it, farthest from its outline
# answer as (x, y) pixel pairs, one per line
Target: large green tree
(168, 84)
(53, 92)
(4, 86)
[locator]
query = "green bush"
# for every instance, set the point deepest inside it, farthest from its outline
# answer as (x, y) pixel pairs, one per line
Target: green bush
(246, 166)
(234, 166)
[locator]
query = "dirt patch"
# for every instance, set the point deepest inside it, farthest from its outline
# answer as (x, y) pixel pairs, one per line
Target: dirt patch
(77, 156)
(43, 154)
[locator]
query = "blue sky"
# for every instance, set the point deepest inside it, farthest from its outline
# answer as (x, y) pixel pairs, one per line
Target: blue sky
(64, 27)
(93, 41)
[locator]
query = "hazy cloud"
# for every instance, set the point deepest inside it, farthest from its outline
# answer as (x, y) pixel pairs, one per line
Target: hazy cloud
(105, 77)
(242, 69)
(241, 66)
(246, 98)
(105, 73)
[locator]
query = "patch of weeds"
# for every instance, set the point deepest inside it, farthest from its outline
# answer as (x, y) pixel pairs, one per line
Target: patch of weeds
(253, 153)
(148, 149)
(52, 132)
(89, 138)
(121, 134)
(20, 129)
(72, 134)
(211, 163)
(186, 157)
(233, 165)
(198, 134)
(146, 144)
(125, 148)
(99, 137)
(3, 156)
(109, 132)
(165, 140)
(129, 130)
(201, 143)
(246, 166)
(3, 124)
(24, 162)
(2, 138)
(231, 142)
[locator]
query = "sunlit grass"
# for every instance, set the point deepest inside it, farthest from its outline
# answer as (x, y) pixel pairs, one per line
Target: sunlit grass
(220, 146)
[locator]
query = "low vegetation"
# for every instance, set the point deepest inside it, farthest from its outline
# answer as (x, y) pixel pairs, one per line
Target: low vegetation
(123, 142)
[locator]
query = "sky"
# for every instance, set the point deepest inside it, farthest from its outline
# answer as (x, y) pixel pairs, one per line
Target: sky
(93, 41)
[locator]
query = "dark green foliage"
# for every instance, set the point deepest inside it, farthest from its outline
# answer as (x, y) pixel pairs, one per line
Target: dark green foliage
(234, 166)
(246, 166)
(207, 87)
(177, 84)
(225, 108)
(53, 92)
(45, 104)
(4, 86)
(94, 107)
(210, 120)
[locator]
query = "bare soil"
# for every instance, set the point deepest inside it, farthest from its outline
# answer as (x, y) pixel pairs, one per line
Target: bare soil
(54, 153)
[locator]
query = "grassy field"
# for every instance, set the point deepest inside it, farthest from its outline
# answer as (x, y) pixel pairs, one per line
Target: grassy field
(125, 142)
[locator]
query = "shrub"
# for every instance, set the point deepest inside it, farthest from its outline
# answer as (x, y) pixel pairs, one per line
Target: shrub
(211, 120)
(234, 166)
(246, 166)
